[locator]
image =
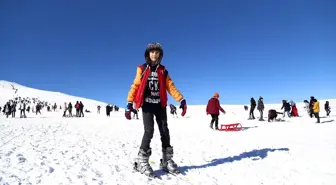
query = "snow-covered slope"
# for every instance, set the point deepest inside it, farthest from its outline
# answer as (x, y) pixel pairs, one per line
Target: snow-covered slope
(98, 150)
(10, 90)
(53, 150)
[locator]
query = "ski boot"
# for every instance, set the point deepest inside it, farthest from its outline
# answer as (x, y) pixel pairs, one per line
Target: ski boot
(166, 163)
(142, 165)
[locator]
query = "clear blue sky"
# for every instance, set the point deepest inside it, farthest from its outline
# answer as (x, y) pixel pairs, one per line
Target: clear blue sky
(276, 49)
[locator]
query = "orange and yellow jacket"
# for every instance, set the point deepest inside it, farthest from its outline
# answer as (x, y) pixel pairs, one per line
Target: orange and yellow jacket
(136, 93)
(316, 107)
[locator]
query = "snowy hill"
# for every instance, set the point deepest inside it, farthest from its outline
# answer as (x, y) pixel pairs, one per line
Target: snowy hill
(10, 90)
(52, 150)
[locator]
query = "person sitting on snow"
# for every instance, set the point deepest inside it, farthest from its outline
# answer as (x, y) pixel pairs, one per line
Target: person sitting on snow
(213, 109)
(272, 115)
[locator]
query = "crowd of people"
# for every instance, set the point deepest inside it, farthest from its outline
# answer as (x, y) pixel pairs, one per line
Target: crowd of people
(312, 108)
(23, 104)
(34, 105)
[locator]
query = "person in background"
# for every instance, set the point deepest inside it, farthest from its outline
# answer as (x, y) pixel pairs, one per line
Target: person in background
(316, 110)
(173, 110)
(327, 108)
(261, 108)
(306, 106)
(213, 108)
(287, 108)
(252, 107)
(294, 111)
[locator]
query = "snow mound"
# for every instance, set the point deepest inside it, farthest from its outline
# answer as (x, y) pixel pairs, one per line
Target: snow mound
(11, 90)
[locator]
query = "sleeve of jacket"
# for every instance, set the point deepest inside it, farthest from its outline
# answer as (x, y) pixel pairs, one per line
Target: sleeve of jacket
(135, 86)
(207, 108)
(219, 107)
(172, 90)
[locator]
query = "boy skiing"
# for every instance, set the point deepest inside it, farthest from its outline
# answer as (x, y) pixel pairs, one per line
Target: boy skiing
(149, 92)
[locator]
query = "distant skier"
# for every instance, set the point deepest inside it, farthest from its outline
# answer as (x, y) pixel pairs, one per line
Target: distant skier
(77, 107)
(294, 111)
(316, 110)
(149, 92)
(70, 109)
(287, 108)
(173, 110)
(135, 113)
(81, 107)
(261, 108)
(7, 109)
(306, 106)
(213, 108)
(65, 109)
(13, 109)
(108, 110)
(116, 108)
(38, 108)
(327, 108)
(311, 104)
(252, 107)
(98, 109)
(22, 110)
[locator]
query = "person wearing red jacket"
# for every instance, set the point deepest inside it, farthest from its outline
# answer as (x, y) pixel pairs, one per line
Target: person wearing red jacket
(213, 109)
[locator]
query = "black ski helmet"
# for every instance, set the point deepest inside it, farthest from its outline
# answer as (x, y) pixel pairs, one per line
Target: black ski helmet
(153, 46)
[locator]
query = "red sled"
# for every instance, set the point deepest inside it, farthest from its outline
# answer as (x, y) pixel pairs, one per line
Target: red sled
(231, 127)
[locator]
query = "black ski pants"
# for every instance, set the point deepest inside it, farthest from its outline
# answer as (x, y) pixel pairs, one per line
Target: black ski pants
(261, 114)
(252, 112)
(22, 113)
(160, 113)
(81, 113)
(214, 120)
(317, 116)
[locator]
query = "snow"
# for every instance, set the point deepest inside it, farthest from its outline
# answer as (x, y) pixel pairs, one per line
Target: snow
(10, 90)
(52, 150)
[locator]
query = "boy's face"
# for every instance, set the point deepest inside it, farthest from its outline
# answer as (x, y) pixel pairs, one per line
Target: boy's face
(154, 55)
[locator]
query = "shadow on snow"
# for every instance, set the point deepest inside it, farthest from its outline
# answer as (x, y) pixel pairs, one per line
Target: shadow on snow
(329, 121)
(246, 128)
(254, 155)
